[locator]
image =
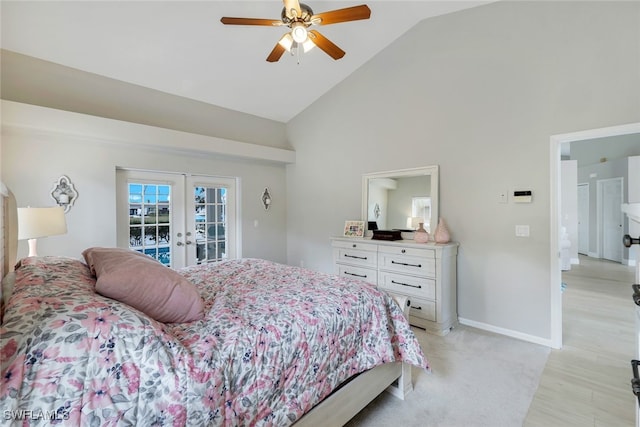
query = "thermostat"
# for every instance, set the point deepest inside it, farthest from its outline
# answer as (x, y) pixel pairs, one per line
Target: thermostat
(524, 196)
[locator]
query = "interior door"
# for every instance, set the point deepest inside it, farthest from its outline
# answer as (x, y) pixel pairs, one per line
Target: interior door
(177, 219)
(583, 219)
(612, 217)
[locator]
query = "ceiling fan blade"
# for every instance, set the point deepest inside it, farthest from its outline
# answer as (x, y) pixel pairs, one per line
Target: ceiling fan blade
(326, 45)
(354, 13)
(276, 53)
(250, 21)
(290, 5)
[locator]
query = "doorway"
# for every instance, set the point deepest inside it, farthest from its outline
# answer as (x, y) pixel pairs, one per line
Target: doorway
(178, 219)
(610, 226)
(556, 142)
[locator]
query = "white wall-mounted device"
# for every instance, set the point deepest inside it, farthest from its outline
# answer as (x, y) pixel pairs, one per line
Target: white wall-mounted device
(522, 196)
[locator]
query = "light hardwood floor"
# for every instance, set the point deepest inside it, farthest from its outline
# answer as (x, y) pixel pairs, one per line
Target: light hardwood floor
(587, 382)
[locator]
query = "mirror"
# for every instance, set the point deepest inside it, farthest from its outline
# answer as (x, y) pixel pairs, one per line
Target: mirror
(400, 199)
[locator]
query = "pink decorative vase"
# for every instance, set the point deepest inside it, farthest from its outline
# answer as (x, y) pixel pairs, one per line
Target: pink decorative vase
(421, 235)
(441, 234)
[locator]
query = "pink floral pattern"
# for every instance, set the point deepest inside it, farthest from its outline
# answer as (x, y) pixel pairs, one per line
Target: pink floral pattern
(275, 341)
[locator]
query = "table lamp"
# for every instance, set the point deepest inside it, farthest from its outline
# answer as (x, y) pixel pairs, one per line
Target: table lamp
(34, 223)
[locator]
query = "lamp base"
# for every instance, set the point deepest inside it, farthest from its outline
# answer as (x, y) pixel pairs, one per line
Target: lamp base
(32, 247)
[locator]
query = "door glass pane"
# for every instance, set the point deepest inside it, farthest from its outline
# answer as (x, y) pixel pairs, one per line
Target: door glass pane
(211, 223)
(149, 220)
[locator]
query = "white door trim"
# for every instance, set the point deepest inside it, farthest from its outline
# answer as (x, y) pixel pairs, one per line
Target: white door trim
(588, 218)
(554, 246)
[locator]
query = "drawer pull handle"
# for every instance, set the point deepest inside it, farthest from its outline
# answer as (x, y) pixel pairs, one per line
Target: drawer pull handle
(364, 276)
(408, 265)
(356, 257)
(416, 308)
(403, 251)
(406, 284)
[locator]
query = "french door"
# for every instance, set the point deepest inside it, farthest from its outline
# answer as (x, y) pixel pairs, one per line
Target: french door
(177, 219)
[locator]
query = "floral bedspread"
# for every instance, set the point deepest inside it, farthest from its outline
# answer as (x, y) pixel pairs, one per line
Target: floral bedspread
(275, 341)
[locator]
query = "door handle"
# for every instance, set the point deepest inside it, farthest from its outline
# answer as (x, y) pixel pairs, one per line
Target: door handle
(635, 381)
(628, 241)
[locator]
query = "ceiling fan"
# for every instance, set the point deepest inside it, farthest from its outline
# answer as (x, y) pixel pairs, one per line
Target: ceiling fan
(299, 17)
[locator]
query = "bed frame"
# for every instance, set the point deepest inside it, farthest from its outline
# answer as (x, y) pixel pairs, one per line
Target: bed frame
(350, 398)
(335, 410)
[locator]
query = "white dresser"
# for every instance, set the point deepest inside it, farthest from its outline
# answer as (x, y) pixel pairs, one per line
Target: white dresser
(424, 272)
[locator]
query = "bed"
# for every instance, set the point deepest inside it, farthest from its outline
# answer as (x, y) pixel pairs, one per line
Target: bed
(275, 345)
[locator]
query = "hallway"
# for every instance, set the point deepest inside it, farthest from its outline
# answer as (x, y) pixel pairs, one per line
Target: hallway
(587, 382)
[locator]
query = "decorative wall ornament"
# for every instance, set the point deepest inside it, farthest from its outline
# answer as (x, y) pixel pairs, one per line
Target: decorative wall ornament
(376, 211)
(266, 199)
(64, 193)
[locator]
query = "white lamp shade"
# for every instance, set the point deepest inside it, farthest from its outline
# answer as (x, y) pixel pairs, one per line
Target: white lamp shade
(287, 43)
(41, 222)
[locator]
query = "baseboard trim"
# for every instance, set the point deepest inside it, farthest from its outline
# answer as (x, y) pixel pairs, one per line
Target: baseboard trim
(575, 261)
(508, 332)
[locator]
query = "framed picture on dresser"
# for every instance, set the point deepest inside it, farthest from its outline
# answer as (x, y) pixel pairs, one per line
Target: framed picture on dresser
(353, 229)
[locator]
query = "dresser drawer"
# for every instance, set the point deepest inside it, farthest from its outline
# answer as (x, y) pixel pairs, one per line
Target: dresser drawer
(408, 264)
(365, 274)
(423, 309)
(357, 257)
(408, 285)
(359, 245)
(408, 251)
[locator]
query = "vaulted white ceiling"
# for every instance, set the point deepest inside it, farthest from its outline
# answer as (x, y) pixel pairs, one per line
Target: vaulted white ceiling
(180, 47)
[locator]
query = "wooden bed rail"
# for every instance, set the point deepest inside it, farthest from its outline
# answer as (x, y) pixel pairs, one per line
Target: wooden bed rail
(343, 404)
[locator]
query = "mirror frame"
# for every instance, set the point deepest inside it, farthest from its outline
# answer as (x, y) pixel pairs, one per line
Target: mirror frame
(432, 171)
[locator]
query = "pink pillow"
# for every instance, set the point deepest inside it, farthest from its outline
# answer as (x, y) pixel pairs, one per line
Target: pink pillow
(143, 283)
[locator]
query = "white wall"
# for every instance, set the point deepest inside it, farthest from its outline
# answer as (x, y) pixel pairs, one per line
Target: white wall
(40, 144)
(478, 92)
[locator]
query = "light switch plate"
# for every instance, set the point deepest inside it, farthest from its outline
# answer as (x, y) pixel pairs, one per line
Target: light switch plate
(522, 230)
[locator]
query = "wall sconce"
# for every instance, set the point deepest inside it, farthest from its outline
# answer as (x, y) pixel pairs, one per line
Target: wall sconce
(64, 193)
(266, 199)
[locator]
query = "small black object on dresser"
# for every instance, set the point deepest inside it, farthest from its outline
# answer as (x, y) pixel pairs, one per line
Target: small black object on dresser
(386, 235)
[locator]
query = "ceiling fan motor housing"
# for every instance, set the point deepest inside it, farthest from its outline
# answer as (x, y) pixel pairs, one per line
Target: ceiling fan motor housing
(307, 13)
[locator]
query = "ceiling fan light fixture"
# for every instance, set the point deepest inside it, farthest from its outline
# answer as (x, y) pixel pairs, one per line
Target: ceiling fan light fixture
(299, 32)
(307, 45)
(286, 42)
